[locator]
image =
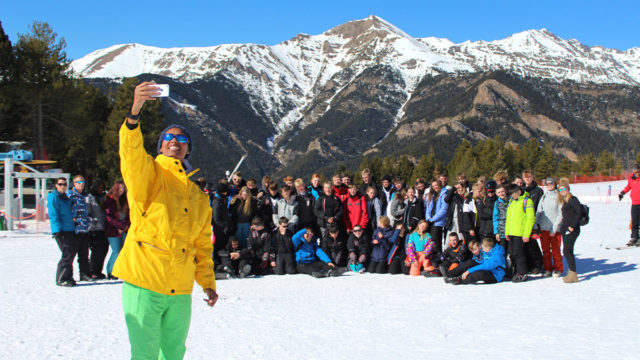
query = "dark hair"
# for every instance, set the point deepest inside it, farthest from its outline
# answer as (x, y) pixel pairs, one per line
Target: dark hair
(283, 220)
(333, 228)
(257, 221)
(513, 188)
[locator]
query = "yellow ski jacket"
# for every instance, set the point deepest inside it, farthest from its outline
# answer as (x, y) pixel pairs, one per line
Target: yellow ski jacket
(169, 242)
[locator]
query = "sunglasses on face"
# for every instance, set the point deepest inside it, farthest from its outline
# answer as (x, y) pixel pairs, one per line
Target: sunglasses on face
(562, 189)
(61, 184)
(357, 230)
(179, 137)
(79, 182)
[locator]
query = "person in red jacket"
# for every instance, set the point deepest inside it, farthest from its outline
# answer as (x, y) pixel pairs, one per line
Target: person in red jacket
(339, 188)
(634, 186)
(355, 209)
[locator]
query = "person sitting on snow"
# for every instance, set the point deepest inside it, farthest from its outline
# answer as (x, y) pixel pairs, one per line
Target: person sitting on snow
(419, 249)
(310, 258)
(236, 260)
(490, 268)
(358, 249)
(455, 254)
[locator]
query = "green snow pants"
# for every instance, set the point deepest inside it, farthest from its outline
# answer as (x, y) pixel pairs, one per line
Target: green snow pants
(158, 324)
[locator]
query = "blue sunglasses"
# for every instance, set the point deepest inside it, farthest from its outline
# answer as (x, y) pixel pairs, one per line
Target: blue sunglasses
(181, 138)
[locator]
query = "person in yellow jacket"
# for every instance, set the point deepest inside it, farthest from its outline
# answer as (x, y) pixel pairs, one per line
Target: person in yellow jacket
(168, 245)
(519, 224)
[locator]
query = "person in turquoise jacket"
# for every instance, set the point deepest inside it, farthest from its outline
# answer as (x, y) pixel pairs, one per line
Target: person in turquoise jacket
(62, 229)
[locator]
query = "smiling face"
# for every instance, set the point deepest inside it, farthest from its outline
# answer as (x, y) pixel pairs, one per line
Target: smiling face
(173, 148)
(78, 183)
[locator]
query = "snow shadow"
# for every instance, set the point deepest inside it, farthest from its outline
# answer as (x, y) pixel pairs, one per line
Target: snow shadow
(98, 283)
(590, 267)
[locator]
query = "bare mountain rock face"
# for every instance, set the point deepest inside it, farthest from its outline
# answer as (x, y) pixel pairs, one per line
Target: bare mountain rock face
(367, 87)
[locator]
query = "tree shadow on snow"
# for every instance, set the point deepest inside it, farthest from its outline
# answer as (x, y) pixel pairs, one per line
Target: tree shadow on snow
(590, 267)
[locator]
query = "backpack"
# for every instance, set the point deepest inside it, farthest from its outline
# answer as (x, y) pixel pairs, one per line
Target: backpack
(584, 218)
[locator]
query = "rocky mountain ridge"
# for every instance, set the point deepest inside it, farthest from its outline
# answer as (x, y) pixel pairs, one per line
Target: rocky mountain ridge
(366, 86)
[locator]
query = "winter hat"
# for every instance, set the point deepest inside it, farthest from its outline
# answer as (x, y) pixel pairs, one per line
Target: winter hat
(184, 130)
(222, 188)
(551, 180)
(491, 185)
(386, 177)
(636, 167)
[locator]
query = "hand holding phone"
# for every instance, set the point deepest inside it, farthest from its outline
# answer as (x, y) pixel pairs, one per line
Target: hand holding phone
(164, 90)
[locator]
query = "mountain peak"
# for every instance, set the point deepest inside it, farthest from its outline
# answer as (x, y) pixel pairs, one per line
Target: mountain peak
(355, 28)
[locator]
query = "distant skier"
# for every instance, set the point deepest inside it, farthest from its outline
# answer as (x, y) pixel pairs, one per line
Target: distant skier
(634, 186)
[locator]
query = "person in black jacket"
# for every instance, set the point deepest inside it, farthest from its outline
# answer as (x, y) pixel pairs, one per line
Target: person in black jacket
(484, 207)
(569, 227)
(455, 213)
(358, 248)
(267, 204)
(534, 253)
(328, 208)
(220, 219)
(455, 254)
(367, 181)
(306, 207)
(413, 211)
(259, 244)
(334, 245)
(283, 253)
(236, 260)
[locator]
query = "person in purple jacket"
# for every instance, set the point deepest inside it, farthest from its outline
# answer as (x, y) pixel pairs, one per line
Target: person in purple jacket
(116, 210)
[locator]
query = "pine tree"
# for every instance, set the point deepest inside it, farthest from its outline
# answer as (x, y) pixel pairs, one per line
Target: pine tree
(404, 169)
(40, 63)
(565, 168)
(587, 164)
(606, 163)
(546, 164)
(463, 160)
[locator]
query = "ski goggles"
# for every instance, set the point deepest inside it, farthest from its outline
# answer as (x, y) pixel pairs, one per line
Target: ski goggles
(179, 137)
(79, 181)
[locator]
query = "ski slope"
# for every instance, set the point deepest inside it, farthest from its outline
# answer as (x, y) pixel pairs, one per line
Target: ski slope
(350, 317)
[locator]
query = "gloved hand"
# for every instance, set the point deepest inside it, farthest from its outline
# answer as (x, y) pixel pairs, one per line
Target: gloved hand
(621, 195)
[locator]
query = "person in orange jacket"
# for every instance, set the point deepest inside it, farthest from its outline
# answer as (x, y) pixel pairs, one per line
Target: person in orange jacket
(168, 245)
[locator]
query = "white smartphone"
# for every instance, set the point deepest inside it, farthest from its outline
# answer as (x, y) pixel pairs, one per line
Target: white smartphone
(164, 90)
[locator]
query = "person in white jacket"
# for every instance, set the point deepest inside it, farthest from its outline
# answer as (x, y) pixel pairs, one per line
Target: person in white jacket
(548, 219)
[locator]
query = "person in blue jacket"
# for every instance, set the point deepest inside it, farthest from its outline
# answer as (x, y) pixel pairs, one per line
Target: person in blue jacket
(310, 258)
(437, 210)
(490, 268)
(383, 238)
(62, 229)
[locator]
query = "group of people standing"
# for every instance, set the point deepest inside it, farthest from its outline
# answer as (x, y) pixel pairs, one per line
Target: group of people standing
(395, 228)
(84, 225)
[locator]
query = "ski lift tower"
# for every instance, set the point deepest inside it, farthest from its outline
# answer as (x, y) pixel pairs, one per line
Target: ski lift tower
(11, 202)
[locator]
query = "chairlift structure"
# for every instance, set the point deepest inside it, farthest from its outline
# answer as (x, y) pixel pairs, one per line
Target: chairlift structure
(13, 205)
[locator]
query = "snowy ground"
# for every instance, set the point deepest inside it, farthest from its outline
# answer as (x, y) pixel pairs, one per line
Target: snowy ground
(351, 317)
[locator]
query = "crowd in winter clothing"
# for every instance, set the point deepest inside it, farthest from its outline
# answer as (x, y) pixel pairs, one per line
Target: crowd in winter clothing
(507, 229)
(466, 233)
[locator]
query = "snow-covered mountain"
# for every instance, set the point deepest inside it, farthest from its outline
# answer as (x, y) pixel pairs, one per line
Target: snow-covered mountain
(359, 67)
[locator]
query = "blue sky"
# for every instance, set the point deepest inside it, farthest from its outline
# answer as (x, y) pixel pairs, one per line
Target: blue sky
(90, 25)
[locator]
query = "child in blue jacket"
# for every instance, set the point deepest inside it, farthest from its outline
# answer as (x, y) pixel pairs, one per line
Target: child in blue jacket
(310, 258)
(490, 268)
